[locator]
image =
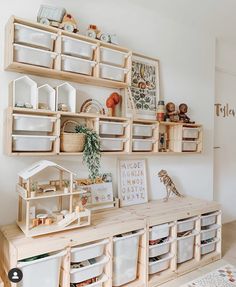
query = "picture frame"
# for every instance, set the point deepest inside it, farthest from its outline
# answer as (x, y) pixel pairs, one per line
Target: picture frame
(132, 184)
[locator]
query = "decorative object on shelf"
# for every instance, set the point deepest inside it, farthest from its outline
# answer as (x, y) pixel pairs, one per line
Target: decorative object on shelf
(69, 24)
(91, 152)
(169, 184)
(144, 86)
(161, 111)
(113, 100)
(132, 186)
(63, 107)
(95, 33)
(92, 106)
(92, 31)
(183, 109)
(171, 113)
(163, 142)
(49, 15)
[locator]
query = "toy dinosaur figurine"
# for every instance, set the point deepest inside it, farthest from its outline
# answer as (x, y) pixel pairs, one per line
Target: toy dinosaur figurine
(169, 184)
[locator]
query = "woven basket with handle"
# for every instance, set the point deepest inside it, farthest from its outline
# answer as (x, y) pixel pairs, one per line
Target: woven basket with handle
(71, 141)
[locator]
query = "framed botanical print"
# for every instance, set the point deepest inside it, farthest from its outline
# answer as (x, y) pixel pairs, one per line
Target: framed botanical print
(145, 87)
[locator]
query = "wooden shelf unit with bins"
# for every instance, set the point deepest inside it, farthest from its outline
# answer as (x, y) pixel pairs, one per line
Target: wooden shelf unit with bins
(14, 246)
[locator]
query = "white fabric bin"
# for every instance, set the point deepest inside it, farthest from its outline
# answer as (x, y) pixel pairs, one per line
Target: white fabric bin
(189, 145)
(42, 272)
(140, 130)
(33, 56)
(112, 73)
(34, 37)
(208, 247)
(125, 258)
(185, 248)
(159, 231)
(209, 219)
(190, 133)
(186, 224)
(27, 143)
(77, 65)
(88, 251)
(111, 128)
(142, 145)
(112, 144)
(33, 123)
(160, 265)
(113, 57)
(210, 232)
(84, 273)
(77, 48)
(160, 249)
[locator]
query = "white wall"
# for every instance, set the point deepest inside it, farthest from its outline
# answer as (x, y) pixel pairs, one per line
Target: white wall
(187, 75)
(225, 136)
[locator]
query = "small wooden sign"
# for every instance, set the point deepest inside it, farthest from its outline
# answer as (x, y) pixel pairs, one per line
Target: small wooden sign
(132, 188)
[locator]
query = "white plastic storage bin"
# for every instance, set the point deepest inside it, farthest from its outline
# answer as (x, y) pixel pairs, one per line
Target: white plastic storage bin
(190, 133)
(81, 274)
(77, 65)
(142, 145)
(159, 231)
(186, 224)
(143, 130)
(185, 247)
(209, 219)
(112, 144)
(88, 251)
(34, 37)
(113, 57)
(43, 272)
(125, 258)
(210, 232)
(111, 128)
(189, 145)
(77, 48)
(160, 265)
(33, 123)
(112, 73)
(99, 283)
(160, 249)
(33, 56)
(27, 143)
(208, 247)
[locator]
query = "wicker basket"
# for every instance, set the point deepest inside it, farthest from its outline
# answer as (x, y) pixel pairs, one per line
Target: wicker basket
(71, 141)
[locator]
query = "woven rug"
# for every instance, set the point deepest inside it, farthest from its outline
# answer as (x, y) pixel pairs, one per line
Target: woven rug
(222, 277)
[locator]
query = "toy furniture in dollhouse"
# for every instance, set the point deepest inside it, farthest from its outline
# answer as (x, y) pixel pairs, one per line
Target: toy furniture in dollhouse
(49, 206)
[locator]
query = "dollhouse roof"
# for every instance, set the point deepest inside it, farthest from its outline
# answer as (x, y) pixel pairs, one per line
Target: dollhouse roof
(38, 167)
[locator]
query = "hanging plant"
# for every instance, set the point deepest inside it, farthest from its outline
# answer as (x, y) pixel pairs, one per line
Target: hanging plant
(91, 152)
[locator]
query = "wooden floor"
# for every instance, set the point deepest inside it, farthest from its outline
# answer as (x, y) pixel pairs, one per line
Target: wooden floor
(229, 256)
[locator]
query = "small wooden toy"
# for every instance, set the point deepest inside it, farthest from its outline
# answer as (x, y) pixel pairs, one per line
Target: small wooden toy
(111, 103)
(69, 24)
(49, 15)
(92, 31)
(171, 113)
(183, 109)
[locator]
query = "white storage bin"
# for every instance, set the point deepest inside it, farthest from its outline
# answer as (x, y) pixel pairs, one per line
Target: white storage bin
(113, 57)
(112, 144)
(208, 247)
(186, 224)
(142, 144)
(189, 146)
(77, 65)
(210, 232)
(185, 246)
(160, 265)
(101, 279)
(143, 130)
(88, 251)
(159, 231)
(112, 73)
(190, 133)
(77, 48)
(209, 219)
(33, 56)
(34, 37)
(160, 249)
(84, 273)
(32, 143)
(33, 123)
(43, 272)
(111, 128)
(125, 258)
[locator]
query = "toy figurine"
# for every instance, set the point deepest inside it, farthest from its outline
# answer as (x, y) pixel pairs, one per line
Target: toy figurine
(49, 15)
(171, 113)
(183, 109)
(69, 24)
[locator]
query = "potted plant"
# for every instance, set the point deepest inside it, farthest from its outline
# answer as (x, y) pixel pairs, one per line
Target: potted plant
(91, 152)
(66, 186)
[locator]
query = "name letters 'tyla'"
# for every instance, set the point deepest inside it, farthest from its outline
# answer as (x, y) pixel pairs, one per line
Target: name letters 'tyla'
(224, 111)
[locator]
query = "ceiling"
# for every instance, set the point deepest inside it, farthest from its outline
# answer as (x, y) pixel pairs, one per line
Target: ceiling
(216, 16)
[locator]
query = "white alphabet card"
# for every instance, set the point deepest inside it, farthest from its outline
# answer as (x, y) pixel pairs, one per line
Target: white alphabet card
(132, 188)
